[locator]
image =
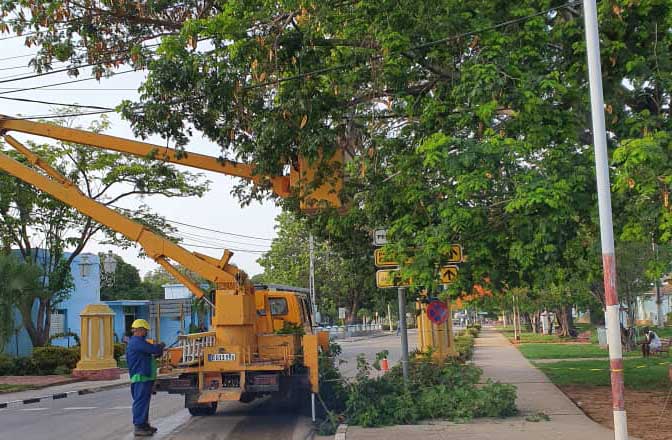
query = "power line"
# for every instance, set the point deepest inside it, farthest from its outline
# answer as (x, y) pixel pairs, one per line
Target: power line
(51, 88)
(66, 115)
(36, 101)
(220, 232)
(201, 227)
(16, 57)
(215, 240)
(223, 248)
(68, 82)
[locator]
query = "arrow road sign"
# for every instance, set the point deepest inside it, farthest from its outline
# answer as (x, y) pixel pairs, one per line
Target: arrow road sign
(448, 273)
(455, 255)
(390, 278)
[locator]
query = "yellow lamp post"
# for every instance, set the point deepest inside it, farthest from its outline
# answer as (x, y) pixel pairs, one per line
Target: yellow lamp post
(97, 344)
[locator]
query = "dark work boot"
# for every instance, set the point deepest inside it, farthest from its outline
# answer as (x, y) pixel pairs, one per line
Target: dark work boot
(150, 427)
(143, 431)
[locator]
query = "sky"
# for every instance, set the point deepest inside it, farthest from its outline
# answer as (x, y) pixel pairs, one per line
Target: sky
(217, 210)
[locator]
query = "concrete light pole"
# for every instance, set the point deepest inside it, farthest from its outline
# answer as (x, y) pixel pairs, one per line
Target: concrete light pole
(606, 226)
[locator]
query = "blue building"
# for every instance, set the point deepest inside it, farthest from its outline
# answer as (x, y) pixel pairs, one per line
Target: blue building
(85, 270)
(168, 318)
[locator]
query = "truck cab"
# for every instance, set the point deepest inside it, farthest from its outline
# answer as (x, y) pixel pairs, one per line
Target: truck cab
(282, 308)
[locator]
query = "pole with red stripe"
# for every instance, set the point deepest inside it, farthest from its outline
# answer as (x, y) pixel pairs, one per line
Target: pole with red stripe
(606, 226)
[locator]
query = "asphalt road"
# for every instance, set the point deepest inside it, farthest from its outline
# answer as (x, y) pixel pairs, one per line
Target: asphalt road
(106, 415)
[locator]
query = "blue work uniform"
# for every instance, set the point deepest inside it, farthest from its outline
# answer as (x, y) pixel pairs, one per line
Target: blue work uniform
(140, 356)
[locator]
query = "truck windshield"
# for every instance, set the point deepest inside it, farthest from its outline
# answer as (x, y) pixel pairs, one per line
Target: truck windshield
(278, 306)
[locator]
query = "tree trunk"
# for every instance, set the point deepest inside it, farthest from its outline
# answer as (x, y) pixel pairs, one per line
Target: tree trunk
(38, 330)
(565, 321)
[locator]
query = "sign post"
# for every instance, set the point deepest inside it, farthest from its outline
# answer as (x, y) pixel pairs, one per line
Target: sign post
(403, 332)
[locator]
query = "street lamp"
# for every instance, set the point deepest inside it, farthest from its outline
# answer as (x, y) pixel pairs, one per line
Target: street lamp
(109, 267)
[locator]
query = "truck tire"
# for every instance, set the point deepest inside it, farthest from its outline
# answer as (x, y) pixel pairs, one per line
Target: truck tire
(203, 410)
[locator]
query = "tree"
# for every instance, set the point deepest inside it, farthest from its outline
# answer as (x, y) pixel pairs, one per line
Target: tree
(341, 280)
(17, 279)
(468, 121)
(159, 276)
(125, 283)
(43, 229)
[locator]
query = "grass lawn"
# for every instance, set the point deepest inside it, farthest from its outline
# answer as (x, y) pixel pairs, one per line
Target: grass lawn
(526, 338)
(567, 351)
(640, 374)
(6, 388)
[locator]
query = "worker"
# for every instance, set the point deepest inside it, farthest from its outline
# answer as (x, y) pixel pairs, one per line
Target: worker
(141, 358)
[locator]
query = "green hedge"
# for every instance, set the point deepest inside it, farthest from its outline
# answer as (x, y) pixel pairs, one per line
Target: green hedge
(450, 392)
(21, 366)
(50, 360)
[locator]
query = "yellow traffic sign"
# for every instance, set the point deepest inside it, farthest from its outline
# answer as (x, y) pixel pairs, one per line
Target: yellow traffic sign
(390, 278)
(381, 260)
(455, 255)
(448, 274)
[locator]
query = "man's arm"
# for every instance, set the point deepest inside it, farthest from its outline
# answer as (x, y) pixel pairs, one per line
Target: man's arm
(153, 349)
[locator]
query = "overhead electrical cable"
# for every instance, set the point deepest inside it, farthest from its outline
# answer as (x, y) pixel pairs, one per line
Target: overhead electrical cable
(37, 101)
(69, 82)
(200, 227)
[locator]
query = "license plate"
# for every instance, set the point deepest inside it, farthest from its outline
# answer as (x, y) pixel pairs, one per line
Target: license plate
(215, 357)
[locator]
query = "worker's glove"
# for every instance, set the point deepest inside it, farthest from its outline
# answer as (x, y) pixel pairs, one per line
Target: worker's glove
(162, 345)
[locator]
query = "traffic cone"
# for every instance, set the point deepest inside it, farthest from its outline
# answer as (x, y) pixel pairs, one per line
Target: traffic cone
(384, 365)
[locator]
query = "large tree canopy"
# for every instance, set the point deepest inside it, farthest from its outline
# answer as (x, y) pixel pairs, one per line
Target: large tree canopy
(469, 121)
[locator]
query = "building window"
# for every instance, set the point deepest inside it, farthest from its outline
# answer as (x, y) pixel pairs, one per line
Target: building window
(57, 322)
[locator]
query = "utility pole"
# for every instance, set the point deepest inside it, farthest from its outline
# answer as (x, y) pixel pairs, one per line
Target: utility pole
(606, 225)
(659, 299)
(311, 280)
(403, 332)
(389, 316)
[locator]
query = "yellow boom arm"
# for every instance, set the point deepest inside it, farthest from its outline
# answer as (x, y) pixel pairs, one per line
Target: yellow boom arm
(280, 184)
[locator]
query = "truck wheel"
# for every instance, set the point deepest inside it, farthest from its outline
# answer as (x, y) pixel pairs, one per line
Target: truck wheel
(203, 410)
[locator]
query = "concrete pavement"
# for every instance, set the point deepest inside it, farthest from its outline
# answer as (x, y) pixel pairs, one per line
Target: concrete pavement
(500, 361)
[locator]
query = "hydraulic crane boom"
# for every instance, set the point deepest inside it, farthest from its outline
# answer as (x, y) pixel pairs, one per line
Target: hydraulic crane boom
(280, 184)
(238, 359)
(156, 246)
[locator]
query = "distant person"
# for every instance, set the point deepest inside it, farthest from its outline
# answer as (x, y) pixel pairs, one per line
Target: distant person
(651, 342)
(141, 359)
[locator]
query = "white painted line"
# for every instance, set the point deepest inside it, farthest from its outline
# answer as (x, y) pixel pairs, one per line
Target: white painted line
(80, 407)
(33, 409)
(121, 407)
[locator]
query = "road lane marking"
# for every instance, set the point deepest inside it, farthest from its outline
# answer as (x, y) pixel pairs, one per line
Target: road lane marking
(121, 407)
(34, 409)
(80, 407)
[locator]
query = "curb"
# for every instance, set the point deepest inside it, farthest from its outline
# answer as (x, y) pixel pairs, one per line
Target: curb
(341, 432)
(63, 395)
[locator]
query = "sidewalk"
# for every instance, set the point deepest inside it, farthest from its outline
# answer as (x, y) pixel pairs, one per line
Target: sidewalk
(60, 391)
(502, 362)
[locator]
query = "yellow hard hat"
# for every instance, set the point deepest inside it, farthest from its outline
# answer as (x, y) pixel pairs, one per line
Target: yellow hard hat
(140, 323)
